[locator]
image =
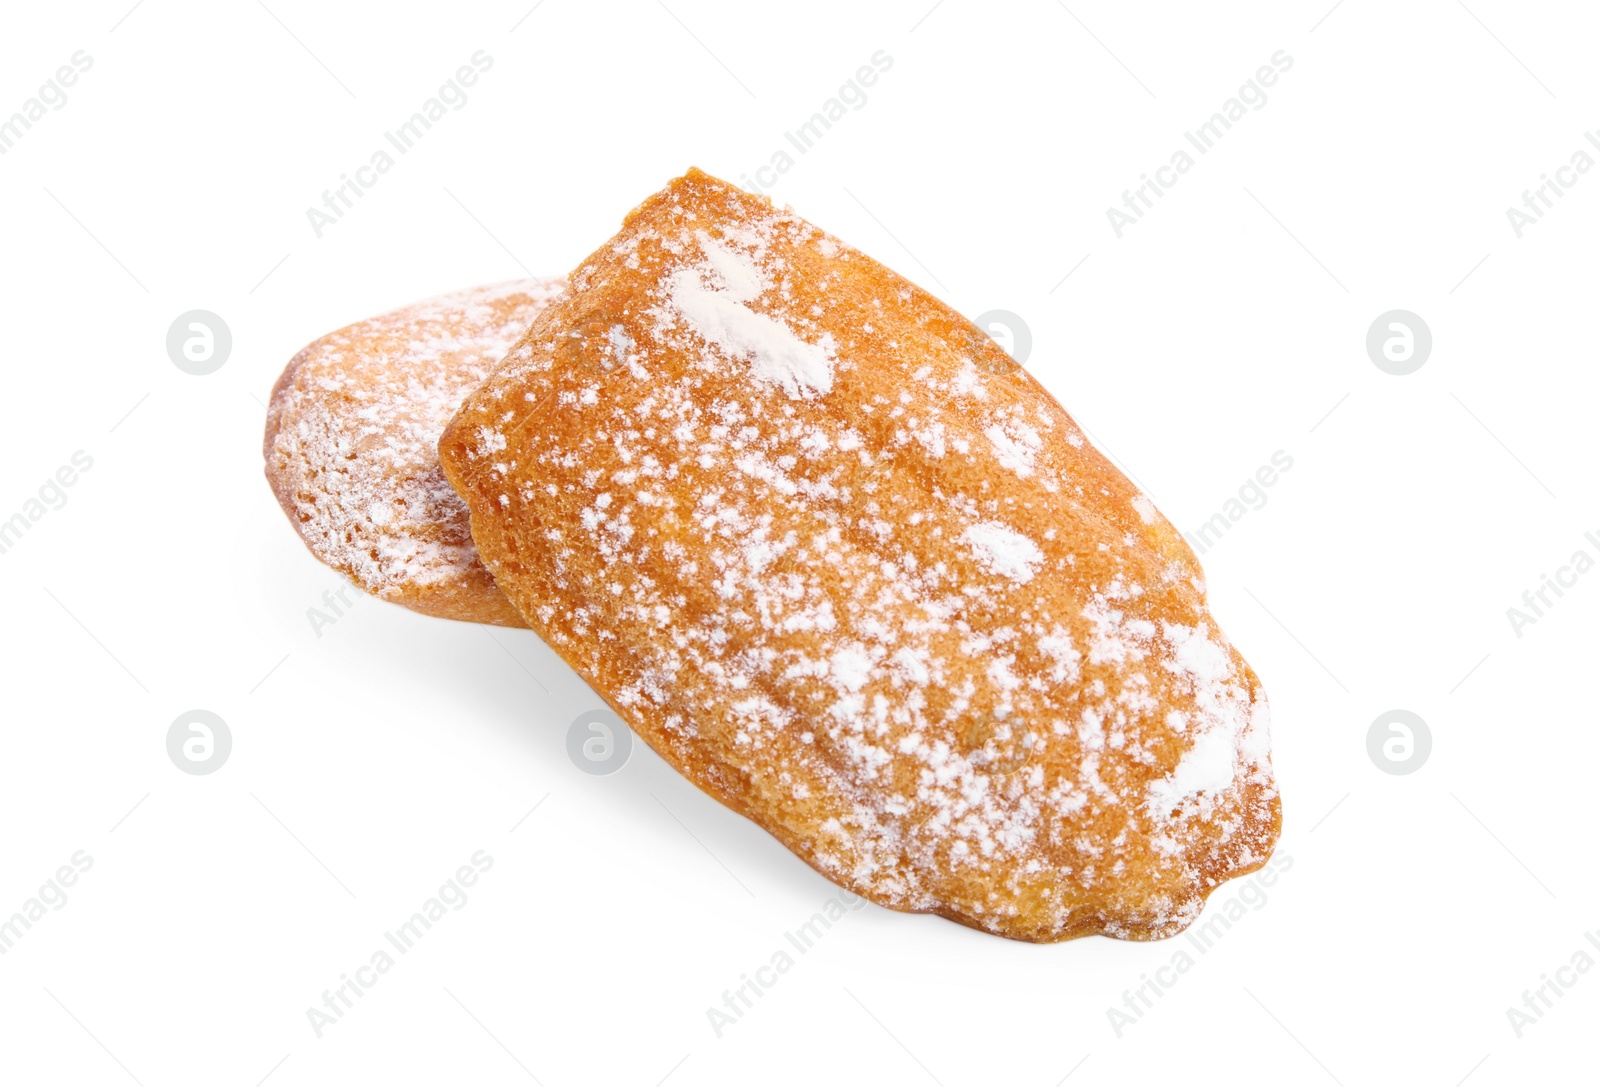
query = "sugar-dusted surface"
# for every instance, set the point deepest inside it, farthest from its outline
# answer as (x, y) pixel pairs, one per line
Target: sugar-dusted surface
(861, 578)
(352, 437)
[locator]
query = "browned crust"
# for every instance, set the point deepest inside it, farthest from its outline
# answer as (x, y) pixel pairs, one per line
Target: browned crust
(524, 537)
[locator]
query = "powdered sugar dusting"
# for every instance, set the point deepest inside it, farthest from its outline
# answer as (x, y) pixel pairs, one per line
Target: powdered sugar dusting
(1004, 550)
(1230, 726)
(711, 296)
(353, 432)
(1014, 446)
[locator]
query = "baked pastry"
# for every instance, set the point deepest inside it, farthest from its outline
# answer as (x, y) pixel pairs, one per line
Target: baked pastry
(352, 437)
(859, 577)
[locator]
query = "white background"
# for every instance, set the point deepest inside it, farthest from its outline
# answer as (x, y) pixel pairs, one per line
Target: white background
(372, 761)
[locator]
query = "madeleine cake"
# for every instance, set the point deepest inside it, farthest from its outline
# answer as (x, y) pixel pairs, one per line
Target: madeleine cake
(861, 579)
(352, 437)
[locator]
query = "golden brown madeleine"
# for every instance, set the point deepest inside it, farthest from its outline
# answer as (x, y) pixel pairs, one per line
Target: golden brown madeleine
(352, 437)
(859, 577)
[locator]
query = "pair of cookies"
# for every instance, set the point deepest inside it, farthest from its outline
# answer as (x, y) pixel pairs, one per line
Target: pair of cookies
(834, 557)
